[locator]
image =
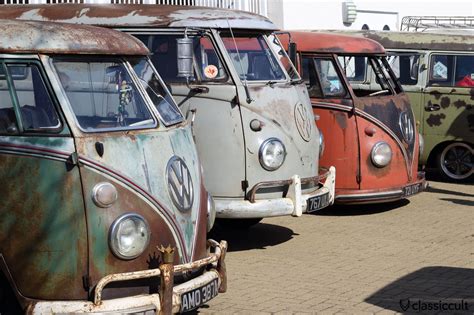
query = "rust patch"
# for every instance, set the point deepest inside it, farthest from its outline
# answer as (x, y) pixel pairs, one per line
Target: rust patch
(445, 101)
(436, 94)
(341, 119)
(435, 119)
(459, 103)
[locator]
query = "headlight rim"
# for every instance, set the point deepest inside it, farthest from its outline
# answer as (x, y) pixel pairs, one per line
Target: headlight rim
(113, 229)
(373, 151)
(260, 154)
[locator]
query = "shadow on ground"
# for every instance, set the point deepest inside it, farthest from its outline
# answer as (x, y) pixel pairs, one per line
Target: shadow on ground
(429, 290)
(368, 209)
(258, 236)
(432, 189)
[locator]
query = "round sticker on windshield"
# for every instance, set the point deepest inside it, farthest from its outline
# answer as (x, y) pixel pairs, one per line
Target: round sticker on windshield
(210, 72)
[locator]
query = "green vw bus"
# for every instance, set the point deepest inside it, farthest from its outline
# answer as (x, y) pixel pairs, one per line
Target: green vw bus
(103, 205)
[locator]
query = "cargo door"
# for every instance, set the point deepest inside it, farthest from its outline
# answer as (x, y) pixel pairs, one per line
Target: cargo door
(43, 235)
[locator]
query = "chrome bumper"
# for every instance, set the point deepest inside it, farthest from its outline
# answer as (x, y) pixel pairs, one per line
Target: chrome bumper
(295, 203)
(166, 302)
(381, 195)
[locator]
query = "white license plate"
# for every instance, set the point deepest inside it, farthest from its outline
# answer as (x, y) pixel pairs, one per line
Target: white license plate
(318, 202)
(411, 190)
(199, 296)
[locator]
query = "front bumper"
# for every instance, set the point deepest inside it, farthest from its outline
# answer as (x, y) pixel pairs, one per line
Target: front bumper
(295, 202)
(382, 195)
(166, 302)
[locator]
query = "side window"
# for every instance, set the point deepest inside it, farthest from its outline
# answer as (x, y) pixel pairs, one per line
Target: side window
(8, 124)
(405, 68)
(441, 70)
(328, 78)
(310, 78)
(354, 67)
(36, 107)
(27, 89)
(464, 73)
(207, 64)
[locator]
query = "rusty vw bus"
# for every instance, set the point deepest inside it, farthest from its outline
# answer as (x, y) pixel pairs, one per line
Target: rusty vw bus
(437, 73)
(103, 207)
(372, 130)
(250, 111)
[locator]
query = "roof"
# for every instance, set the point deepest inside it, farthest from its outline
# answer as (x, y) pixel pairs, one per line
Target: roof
(60, 38)
(451, 41)
(322, 42)
(136, 15)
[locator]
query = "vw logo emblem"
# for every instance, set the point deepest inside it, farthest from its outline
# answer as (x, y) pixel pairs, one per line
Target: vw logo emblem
(180, 184)
(406, 126)
(303, 121)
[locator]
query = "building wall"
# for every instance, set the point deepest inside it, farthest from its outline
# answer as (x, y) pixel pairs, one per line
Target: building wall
(327, 14)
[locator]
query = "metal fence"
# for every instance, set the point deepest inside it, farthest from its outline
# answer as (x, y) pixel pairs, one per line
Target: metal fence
(255, 6)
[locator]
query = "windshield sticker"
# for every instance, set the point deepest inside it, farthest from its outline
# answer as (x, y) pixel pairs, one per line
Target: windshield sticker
(210, 71)
(440, 71)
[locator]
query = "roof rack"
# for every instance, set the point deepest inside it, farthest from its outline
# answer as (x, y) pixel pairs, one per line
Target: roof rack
(423, 23)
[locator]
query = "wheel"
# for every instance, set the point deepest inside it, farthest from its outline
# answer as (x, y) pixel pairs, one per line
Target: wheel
(238, 223)
(455, 162)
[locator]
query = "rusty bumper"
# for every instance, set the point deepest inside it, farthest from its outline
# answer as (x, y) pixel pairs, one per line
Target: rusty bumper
(382, 195)
(166, 302)
(295, 202)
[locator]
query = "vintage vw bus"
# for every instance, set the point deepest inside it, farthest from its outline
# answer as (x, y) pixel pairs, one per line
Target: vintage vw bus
(437, 73)
(99, 175)
(250, 111)
(372, 130)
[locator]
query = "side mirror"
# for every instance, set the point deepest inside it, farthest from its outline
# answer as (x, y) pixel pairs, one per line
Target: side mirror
(185, 57)
(292, 49)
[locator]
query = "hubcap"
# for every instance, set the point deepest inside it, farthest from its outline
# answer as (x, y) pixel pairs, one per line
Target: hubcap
(457, 161)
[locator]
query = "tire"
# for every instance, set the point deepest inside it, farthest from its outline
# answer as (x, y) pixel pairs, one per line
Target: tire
(455, 162)
(8, 303)
(240, 224)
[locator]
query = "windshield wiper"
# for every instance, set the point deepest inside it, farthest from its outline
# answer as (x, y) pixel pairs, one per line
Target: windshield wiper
(271, 83)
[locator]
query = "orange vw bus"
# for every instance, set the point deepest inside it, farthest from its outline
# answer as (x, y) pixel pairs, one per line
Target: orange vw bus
(370, 129)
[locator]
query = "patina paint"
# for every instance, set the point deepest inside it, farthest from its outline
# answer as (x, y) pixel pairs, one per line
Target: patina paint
(42, 204)
(354, 124)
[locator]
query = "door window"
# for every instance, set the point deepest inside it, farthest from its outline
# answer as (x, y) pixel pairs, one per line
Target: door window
(405, 68)
(27, 89)
(322, 79)
(451, 70)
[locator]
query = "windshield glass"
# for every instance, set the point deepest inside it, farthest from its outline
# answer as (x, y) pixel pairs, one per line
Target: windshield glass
(252, 57)
(405, 67)
(207, 64)
(102, 94)
(169, 112)
(284, 59)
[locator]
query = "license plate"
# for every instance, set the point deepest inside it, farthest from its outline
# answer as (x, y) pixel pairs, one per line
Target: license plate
(318, 202)
(411, 190)
(199, 296)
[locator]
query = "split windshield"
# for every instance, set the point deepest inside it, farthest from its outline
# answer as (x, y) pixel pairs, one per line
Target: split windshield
(252, 57)
(104, 97)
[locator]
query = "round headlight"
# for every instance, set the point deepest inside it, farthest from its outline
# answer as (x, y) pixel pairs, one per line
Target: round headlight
(321, 143)
(211, 212)
(421, 144)
(381, 154)
(129, 236)
(272, 154)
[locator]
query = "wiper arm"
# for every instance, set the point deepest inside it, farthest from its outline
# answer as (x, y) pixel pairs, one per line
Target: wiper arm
(296, 81)
(271, 83)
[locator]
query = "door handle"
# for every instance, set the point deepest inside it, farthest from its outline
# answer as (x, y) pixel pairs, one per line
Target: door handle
(432, 107)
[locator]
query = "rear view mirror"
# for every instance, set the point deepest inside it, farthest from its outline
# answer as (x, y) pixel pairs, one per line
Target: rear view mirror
(185, 57)
(292, 49)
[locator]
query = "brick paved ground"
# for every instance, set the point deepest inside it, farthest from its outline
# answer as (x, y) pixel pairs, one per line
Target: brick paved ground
(361, 259)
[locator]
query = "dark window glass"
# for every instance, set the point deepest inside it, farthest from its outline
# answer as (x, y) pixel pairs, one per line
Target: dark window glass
(8, 123)
(36, 107)
(207, 64)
